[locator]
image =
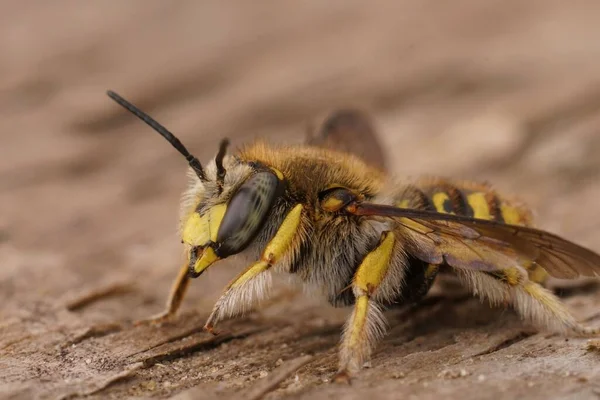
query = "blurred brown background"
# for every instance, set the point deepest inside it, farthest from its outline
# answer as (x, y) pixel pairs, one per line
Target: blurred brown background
(504, 91)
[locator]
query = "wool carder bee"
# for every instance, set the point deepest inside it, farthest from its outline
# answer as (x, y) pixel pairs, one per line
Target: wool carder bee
(347, 229)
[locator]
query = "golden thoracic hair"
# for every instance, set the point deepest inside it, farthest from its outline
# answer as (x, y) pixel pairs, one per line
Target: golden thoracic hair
(321, 167)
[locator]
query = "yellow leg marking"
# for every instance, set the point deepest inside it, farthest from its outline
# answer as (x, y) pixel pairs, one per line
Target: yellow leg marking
(273, 252)
(275, 249)
(249, 273)
(512, 276)
(547, 309)
(537, 274)
(284, 236)
(438, 200)
(375, 265)
(530, 300)
(365, 326)
(479, 204)
(535, 291)
(431, 270)
(360, 317)
(175, 299)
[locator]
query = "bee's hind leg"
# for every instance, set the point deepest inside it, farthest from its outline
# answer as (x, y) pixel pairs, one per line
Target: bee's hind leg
(542, 307)
(366, 325)
(253, 283)
(530, 300)
(178, 290)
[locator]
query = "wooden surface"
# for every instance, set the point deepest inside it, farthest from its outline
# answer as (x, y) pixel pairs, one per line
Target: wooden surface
(504, 91)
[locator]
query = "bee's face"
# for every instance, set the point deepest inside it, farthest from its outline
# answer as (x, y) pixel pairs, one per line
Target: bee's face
(228, 215)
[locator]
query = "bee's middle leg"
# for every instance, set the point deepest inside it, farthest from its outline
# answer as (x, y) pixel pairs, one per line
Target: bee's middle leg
(250, 285)
(366, 325)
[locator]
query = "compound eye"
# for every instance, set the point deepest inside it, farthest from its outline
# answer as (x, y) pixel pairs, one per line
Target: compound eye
(334, 199)
(246, 212)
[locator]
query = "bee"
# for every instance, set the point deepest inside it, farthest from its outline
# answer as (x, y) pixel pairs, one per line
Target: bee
(361, 239)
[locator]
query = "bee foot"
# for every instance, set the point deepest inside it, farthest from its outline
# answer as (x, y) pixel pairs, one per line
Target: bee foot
(343, 377)
(154, 320)
(210, 328)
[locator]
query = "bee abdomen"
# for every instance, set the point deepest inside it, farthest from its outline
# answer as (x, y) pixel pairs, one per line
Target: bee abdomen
(443, 198)
(414, 197)
(450, 199)
(467, 199)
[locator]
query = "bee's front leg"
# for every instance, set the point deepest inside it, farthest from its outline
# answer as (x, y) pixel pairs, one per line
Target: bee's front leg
(366, 325)
(178, 290)
(252, 284)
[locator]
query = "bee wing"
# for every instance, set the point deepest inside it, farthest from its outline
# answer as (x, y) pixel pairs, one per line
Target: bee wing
(476, 244)
(350, 131)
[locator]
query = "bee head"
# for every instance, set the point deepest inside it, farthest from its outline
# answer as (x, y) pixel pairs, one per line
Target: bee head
(231, 200)
(228, 213)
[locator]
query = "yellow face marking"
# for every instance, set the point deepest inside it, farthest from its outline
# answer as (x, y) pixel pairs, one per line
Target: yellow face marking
(510, 214)
(375, 265)
(215, 216)
(480, 206)
(254, 270)
(195, 231)
(360, 317)
(284, 236)
(206, 260)
(438, 200)
(199, 230)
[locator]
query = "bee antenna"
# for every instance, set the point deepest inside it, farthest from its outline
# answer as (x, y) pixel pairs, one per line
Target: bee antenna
(219, 162)
(164, 132)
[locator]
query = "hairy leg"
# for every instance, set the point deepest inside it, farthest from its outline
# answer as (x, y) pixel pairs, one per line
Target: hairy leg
(366, 325)
(531, 300)
(252, 284)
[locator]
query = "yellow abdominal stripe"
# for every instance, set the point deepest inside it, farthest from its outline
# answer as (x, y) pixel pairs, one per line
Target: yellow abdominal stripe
(438, 201)
(480, 205)
(510, 214)
(481, 209)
